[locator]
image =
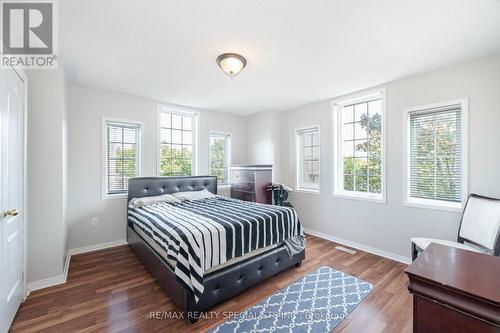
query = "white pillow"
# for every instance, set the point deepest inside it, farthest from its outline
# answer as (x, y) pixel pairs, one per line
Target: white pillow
(144, 201)
(194, 195)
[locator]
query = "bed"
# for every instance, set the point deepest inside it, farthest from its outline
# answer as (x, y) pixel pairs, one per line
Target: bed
(247, 262)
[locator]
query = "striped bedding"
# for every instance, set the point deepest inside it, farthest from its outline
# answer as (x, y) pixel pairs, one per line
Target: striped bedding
(201, 234)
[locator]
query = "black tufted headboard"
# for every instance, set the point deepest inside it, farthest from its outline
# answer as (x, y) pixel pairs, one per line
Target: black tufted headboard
(150, 186)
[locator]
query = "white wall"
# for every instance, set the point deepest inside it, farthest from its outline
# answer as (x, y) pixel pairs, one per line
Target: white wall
(86, 109)
(47, 231)
(263, 144)
(389, 226)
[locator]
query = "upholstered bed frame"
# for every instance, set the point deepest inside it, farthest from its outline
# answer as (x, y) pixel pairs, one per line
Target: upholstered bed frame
(219, 285)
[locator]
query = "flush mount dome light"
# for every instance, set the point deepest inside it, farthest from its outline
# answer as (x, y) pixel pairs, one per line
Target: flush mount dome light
(231, 63)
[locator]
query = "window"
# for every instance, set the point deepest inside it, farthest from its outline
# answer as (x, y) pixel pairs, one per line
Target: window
(359, 158)
(436, 155)
(308, 159)
(177, 138)
(220, 157)
(122, 152)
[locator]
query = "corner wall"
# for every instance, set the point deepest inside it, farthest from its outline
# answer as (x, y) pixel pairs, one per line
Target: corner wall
(263, 142)
(47, 230)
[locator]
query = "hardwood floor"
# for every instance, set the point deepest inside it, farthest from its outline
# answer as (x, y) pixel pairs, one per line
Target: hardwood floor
(111, 291)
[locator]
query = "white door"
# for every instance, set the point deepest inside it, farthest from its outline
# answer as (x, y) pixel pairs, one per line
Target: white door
(11, 195)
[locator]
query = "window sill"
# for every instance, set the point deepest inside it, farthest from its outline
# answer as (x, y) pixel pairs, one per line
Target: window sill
(308, 191)
(360, 197)
(114, 196)
(434, 205)
(223, 186)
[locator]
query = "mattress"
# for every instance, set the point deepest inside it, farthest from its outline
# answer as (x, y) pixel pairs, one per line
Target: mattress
(162, 253)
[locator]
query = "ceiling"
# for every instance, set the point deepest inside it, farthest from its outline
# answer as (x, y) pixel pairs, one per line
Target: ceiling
(297, 51)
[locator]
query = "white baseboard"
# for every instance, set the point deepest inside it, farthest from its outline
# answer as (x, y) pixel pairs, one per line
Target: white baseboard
(60, 279)
(45, 283)
(66, 266)
(96, 247)
(359, 246)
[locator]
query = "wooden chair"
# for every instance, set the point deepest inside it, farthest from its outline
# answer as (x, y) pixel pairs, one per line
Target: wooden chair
(479, 228)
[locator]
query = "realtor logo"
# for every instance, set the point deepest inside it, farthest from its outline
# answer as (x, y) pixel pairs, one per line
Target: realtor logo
(29, 34)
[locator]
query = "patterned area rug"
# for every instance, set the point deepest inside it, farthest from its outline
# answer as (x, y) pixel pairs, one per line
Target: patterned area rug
(316, 303)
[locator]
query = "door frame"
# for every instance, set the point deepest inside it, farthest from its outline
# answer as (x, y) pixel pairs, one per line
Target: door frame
(23, 76)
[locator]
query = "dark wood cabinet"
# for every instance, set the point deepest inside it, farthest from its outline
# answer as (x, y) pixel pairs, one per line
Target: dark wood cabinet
(250, 182)
(455, 290)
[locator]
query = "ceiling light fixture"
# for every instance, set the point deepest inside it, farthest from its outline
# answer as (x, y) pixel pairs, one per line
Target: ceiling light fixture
(231, 63)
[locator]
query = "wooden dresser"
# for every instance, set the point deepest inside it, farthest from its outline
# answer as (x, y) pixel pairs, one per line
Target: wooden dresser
(455, 290)
(250, 182)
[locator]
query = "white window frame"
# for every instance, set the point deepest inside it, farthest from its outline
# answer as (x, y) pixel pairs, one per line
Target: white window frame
(229, 155)
(432, 203)
(337, 179)
(174, 109)
(299, 163)
(104, 155)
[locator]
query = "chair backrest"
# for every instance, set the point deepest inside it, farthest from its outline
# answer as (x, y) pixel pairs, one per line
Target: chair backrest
(481, 223)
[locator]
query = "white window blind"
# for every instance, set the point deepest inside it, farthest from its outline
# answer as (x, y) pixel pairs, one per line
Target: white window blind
(123, 153)
(435, 145)
(220, 157)
(177, 137)
(308, 158)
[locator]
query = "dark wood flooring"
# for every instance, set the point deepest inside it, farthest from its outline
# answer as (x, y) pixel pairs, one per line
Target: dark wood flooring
(111, 291)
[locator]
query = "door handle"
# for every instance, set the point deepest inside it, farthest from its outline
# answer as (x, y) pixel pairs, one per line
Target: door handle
(10, 212)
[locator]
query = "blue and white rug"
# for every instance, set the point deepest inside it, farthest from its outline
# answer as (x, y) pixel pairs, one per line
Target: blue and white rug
(314, 304)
